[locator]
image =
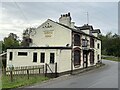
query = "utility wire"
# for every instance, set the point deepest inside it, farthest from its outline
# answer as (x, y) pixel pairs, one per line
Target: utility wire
(22, 12)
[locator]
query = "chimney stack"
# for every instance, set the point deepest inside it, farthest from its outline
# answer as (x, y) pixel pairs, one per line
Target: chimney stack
(65, 19)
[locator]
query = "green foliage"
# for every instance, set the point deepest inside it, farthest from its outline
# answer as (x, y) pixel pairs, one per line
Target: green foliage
(10, 41)
(26, 36)
(112, 58)
(1, 42)
(21, 80)
(110, 44)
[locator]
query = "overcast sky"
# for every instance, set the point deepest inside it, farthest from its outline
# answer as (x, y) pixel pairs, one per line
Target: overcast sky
(16, 16)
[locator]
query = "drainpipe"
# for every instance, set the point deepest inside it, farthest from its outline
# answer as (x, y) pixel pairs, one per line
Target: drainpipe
(71, 62)
(72, 53)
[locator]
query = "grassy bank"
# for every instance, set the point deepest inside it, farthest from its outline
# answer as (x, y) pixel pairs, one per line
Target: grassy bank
(112, 58)
(19, 81)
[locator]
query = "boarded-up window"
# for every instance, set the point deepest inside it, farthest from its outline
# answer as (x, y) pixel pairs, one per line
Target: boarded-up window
(11, 56)
(22, 53)
(34, 57)
(52, 57)
(76, 40)
(42, 57)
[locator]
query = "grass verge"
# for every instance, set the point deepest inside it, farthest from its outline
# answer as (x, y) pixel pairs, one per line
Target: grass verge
(112, 58)
(19, 81)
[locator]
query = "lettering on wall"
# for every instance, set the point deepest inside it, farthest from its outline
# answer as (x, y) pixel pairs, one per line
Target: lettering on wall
(48, 33)
(48, 30)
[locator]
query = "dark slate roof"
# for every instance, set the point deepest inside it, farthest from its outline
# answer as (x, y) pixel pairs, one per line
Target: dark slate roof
(85, 26)
(96, 31)
(71, 28)
(78, 29)
(39, 48)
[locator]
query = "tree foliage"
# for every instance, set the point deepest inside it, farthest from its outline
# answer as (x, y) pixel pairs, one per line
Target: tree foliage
(11, 41)
(110, 44)
(1, 43)
(26, 37)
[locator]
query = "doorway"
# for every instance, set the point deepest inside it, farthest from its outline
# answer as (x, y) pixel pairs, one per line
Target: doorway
(77, 56)
(85, 59)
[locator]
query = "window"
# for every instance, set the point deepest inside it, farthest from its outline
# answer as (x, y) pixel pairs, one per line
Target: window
(92, 42)
(77, 40)
(52, 57)
(22, 53)
(84, 43)
(34, 57)
(92, 57)
(98, 45)
(11, 56)
(42, 57)
(98, 56)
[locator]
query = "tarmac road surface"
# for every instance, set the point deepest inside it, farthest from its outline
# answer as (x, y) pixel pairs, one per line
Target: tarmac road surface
(103, 77)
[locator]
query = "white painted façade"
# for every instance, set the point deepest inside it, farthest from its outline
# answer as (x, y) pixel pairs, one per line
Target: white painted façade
(62, 42)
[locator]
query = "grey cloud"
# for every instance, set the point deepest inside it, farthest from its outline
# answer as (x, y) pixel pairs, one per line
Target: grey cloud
(102, 15)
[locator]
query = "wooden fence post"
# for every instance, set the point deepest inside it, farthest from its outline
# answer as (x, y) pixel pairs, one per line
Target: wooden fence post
(11, 76)
(28, 73)
(4, 71)
(45, 69)
(55, 69)
(39, 70)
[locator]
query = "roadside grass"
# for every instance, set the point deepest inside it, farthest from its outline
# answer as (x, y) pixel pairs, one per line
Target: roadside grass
(19, 81)
(112, 58)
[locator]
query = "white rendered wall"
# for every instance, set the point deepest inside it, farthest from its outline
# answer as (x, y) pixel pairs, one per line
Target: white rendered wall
(62, 57)
(57, 35)
(95, 34)
(97, 51)
(64, 62)
(87, 31)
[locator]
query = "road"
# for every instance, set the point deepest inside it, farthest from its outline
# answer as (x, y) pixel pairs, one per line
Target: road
(104, 77)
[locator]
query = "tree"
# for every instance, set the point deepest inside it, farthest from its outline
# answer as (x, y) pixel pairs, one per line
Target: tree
(11, 41)
(26, 37)
(110, 44)
(1, 43)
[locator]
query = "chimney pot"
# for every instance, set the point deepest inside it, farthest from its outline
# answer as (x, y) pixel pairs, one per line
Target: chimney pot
(69, 14)
(65, 19)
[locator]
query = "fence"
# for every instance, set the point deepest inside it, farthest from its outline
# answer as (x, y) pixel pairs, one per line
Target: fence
(24, 70)
(51, 70)
(47, 70)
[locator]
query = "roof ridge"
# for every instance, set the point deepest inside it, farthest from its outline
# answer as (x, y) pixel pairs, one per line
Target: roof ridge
(75, 30)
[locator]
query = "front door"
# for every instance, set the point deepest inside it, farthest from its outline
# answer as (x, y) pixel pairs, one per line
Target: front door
(85, 59)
